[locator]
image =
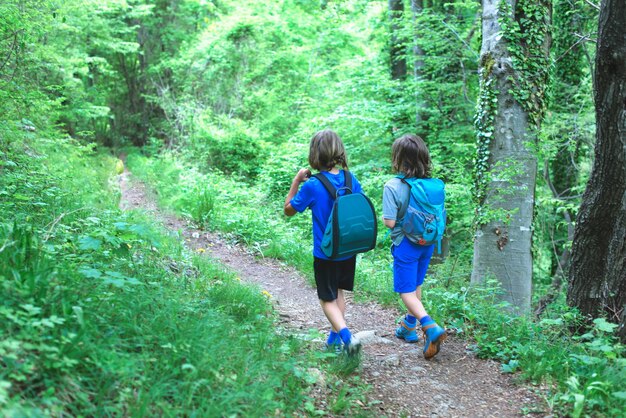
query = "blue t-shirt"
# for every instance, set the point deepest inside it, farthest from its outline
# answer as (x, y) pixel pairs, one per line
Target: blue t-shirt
(314, 195)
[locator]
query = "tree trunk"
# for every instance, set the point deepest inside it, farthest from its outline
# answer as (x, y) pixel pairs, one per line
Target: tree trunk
(562, 171)
(397, 47)
(417, 6)
(506, 165)
(597, 279)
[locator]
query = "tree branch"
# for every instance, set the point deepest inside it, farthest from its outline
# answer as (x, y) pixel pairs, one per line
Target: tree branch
(54, 223)
(580, 40)
(13, 48)
(595, 6)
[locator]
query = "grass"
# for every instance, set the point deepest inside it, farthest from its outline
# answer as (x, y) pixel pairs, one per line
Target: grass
(581, 375)
(221, 202)
(103, 313)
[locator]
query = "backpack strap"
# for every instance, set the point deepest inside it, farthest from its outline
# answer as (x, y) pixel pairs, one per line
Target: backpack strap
(347, 179)
(330, 188)
(405, 205)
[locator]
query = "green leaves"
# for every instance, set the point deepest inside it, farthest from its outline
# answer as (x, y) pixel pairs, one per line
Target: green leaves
(527, 31)
(90, 273)
(118, 280)
(89, 243)
(114, 278)
(603, 325)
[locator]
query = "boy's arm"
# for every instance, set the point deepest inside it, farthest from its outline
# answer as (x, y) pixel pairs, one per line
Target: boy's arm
(389, 223)
(390, 208)
(302, 176)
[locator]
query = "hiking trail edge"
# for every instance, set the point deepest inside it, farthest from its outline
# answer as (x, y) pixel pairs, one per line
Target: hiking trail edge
(453, 384)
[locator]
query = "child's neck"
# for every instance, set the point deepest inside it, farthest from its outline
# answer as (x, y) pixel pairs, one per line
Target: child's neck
(333, 170)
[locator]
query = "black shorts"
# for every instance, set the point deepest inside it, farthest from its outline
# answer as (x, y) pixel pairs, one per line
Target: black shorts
(333, 275)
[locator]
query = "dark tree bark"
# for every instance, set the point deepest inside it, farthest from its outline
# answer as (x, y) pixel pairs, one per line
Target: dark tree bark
(597, 279)
(397, 47)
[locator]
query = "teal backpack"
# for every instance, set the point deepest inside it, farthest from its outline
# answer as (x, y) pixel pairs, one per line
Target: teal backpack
(425, 220)
(352, 225)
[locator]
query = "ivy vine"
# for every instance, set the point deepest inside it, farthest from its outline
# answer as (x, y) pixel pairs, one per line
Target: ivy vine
(527, 31)
(484, 122)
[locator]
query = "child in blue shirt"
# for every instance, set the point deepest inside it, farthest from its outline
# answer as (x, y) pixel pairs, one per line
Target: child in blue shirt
(332, 277)
(410, 157)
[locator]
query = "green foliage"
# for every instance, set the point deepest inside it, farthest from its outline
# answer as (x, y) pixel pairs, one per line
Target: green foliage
(566, 137)
(585, 372)
(541, 351)
(234, 91)
(101, 313)
(232, 148)
(235, 208)
(484, 122)
(599, 370)
(446, 85)
(527, 31)
(23, 67)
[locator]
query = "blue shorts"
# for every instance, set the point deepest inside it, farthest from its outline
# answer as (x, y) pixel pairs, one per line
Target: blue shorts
(410, 262)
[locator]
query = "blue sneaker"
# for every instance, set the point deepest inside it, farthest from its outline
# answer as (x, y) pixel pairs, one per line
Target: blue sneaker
(407, 332)
(434, 335)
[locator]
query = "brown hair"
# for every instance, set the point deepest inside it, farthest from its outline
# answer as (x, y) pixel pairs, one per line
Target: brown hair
(410, 156)
(327, 151)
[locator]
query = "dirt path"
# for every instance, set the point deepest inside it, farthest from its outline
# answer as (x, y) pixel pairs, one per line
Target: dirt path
(453, 384)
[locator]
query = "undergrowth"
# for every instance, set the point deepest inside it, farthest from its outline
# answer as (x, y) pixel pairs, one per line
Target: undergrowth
(102, 313)
(578, 375)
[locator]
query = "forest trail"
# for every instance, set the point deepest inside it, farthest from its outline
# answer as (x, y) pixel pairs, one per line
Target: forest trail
(453, 384)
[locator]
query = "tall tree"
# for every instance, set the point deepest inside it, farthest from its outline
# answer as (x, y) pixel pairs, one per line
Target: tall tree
(597, 279)
(513, 76)
(562, 173)
(417, 6)
(397, 45)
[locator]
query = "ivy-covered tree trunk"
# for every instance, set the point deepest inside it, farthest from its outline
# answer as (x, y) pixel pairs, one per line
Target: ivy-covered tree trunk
(513, 75)
(597, 280)
(397, 47)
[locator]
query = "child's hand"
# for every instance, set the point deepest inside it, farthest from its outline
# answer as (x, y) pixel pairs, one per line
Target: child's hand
(303, 175)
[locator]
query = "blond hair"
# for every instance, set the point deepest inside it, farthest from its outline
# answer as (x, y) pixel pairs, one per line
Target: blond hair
(327, 151)
(410, 156)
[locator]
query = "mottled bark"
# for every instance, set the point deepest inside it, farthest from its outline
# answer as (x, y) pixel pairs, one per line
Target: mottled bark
(597, 280)
(502, 246)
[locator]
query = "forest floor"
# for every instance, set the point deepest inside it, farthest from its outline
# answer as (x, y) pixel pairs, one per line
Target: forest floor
(402, 383)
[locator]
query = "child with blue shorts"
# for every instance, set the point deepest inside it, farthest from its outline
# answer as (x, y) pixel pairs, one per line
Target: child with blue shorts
(410, 158)
(332, 277)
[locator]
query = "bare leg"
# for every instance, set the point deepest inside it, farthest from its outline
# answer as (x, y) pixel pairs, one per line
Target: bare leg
(341, 302)
(334, 314)
(414, 304)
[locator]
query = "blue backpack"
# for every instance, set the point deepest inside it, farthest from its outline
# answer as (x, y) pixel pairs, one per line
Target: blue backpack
(425, 220)
(352, 225)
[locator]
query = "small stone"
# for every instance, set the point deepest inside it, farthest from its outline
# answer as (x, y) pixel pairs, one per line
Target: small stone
(370, 337)
(392, 360)
(317, 375)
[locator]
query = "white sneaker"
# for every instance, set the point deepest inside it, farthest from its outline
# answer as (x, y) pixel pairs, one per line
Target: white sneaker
(354, 348)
